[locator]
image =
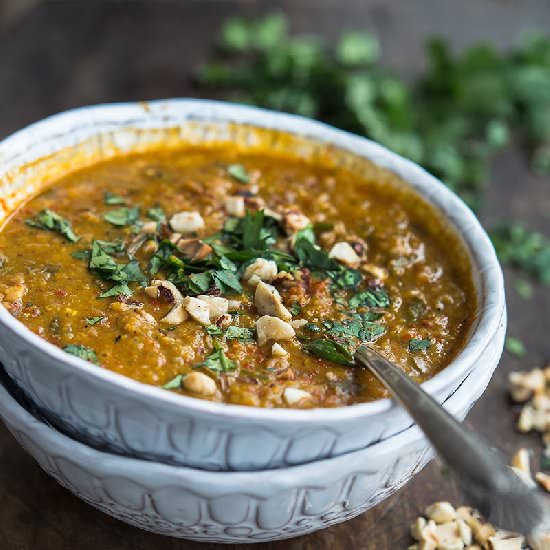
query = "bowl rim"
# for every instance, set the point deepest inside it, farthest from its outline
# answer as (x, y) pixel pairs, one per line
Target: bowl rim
(127, 114)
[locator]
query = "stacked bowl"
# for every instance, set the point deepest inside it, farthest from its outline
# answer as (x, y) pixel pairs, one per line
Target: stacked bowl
(210, 471)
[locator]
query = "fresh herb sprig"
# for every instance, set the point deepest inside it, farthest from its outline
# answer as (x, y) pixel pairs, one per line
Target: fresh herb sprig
(52, 221)
(451, 120)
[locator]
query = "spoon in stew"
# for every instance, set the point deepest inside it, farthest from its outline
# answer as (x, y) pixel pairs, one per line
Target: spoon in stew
(490, 486)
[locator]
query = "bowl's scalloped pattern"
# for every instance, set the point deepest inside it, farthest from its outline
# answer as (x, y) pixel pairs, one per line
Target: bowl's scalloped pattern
(116, 414)
(233, 507)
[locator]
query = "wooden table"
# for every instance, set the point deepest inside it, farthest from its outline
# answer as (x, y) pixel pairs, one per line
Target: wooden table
(60, 54)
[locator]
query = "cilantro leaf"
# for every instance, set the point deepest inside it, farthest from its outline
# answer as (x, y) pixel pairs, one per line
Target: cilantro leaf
(240, 333)
(90, 321)
(217, 361)
(377, 297)
(111, 199)
(227, 281)
(83, 352)
(213, 330)
(514, 346)
(310, 255)
(157, 214)
(331, 351)
(238, 172)
(122, 216)
(52, 221)
(118, 290)
(419, 344)
(175, 383)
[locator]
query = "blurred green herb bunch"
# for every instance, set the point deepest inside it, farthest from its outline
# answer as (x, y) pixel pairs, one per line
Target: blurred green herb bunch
(450, 120)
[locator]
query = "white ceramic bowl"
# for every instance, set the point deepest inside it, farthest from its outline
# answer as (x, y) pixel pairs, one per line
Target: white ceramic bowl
(113, 412)
(233, 506)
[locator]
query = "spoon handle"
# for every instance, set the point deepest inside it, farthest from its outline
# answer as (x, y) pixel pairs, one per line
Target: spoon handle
(491, 486)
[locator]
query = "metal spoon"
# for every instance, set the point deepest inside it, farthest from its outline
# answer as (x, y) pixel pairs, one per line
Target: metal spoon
(490, 486)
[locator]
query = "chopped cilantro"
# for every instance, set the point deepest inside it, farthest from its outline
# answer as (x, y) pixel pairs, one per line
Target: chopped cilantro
(52, 221)
(370, 298)
(527, 251)
(83, 352)
(90, 321)
(157, 214)
(111, 199)
(217, 361)
(227, 282)
(330, 350)
(419, 344)
(295, 308)
(514, 346)
(213, 330)
(117, 290)
(240, 333)
(312, 327)
(175, 383)
(122, 216)
(238, 172)
(524, 289)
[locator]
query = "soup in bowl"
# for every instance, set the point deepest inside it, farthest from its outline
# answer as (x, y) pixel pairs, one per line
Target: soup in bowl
(199, 251)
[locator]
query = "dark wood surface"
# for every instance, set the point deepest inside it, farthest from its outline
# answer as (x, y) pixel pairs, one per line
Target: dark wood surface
(61, 54)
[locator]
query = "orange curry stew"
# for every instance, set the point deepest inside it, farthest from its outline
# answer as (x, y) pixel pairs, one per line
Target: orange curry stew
(241, 278)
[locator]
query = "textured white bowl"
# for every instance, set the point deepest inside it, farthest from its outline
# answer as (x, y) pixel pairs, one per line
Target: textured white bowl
(233, 506)
(113, 412)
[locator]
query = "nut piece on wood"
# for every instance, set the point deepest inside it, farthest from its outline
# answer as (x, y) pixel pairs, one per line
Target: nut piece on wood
(217, 306)
(260, 270)
(544, 481)
(296, 396)
(520, 461)
(200, 383)
(441, 512)
(273, 328)
(540, 542)
(524, 384)
(186, 222)
(503, 540)
(344, 253)
(235, 206)
(198, 310)
(268, 302)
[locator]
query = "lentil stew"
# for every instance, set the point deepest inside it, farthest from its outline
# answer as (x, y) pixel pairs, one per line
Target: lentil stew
(242, 278)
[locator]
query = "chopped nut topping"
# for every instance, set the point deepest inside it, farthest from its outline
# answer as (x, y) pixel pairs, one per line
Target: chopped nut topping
(217, 306)
(198, 309)
(273, 328)
(200, 383)
(186, 222)
(299, 323)
(164, 289)
(294, 220)
(268, 302)
(176, 316)
(235, 206)
(441, 512)
(193, 249)
(260, 270)
(343, 252)
(295, 396)
(278, 351)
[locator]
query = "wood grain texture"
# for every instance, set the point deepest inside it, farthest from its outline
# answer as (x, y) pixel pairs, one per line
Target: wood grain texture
(55, 55)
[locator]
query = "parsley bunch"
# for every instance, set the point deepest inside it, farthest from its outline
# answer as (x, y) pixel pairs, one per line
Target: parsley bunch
(451, 120)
